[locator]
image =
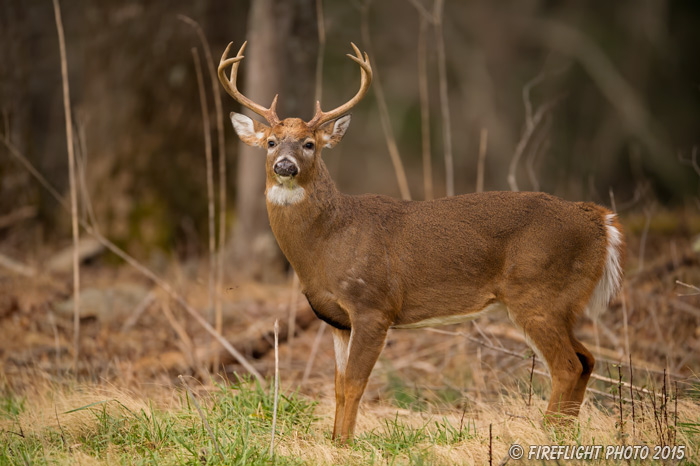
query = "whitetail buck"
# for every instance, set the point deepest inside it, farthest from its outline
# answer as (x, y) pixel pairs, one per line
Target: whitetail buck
(370, 263)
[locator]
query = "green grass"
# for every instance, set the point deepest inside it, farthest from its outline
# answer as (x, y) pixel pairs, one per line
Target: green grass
(94, 425)
(239, 415)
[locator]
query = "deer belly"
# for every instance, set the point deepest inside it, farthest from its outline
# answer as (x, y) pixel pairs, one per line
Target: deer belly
(453, 318)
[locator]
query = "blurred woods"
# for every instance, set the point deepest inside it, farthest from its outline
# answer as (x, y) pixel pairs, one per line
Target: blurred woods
(610, 92)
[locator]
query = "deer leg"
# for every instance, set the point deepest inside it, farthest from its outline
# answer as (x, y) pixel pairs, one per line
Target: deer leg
(550, 336)
(587, 362)
(366, 343)
(341, 339)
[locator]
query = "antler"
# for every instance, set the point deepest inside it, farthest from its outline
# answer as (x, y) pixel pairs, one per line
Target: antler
(322, 117)
(270, 114)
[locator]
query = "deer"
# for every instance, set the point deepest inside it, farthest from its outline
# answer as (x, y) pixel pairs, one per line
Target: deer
(370, 263)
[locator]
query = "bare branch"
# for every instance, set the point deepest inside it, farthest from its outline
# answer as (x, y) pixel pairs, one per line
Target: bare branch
(530, 129)
(206, 129)
(424, 109)
(218, 311)
(72, 182)
(444, 99)
(384, 111)
(480, 165)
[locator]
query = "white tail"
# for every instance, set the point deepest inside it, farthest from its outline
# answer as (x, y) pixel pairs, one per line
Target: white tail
(370, 263)
(610, 283)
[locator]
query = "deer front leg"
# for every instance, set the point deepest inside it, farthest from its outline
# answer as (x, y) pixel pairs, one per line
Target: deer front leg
(367, 340)
(341, 338)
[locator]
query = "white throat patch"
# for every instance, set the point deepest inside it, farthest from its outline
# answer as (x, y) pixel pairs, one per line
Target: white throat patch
(282, 195)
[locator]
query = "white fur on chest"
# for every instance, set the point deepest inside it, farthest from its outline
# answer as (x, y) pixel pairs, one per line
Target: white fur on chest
(282, 195)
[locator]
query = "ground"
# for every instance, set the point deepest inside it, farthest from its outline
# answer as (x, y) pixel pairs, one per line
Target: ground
(457, 395)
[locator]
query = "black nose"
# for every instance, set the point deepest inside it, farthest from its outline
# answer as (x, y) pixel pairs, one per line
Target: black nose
(286, 167)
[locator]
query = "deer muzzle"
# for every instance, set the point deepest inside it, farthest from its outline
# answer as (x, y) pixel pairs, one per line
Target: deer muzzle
(286, 168)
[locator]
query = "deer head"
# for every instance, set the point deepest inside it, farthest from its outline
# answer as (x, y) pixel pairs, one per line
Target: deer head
(293, 146)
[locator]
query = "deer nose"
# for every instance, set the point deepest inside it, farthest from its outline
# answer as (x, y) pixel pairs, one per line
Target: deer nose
(286, 167)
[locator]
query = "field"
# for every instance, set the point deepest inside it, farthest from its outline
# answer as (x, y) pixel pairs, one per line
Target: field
(454, 395)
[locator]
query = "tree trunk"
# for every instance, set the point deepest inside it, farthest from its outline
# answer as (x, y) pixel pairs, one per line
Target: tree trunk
(280, 58)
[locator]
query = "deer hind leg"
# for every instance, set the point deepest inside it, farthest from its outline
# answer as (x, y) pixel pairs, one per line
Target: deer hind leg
(550, 337)
(341, 338)
(366, 343)
(587, 362)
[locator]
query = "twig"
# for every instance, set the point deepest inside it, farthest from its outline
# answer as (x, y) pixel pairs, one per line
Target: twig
(623, 298)
(321, 27)
(425, 14)
(189, 353)
(392, 146)
(634, 430)
(291, 324)
(480, 164)
(619, 392)
(530, 129)
(643, 240)
(206, 128)
(277, 385)
(444, 98)
(520, 356)
(693, 161)
(424, 109)
(314, 350)
(17, 215)
(532, 370)
(72, 183)
(218, 311)
(16, 267)
(60, 427)
(201, 415)
(696, 290)
(541, 145)
(490, 445)
(135, 264)
(138, 311)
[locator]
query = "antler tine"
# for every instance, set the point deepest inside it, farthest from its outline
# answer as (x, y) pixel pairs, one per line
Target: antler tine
(322, 117)
(270, 114)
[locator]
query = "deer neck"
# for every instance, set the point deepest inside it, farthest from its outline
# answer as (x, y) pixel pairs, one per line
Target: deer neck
(300, 227)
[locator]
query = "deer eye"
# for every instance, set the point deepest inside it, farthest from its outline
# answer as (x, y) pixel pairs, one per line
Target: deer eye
(270, 143)
(309, 145)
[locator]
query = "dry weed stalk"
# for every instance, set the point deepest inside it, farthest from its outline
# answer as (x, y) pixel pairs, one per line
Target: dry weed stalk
(189, 349)
(321, 27)
(392, 146)
(481, 162)
(206, 129)
(532, 124)
(424, 109)
(515, 354)
(201, 415)
(218, 311)
(438, 8)
(72, 183)
(293, 307)
(314, 350)
(164, 285)
(634, 428)
(277, 386)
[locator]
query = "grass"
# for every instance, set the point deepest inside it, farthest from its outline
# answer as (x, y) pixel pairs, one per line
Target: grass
(101, 424)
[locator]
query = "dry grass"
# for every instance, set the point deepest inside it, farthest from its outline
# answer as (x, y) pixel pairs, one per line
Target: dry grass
(103, 424)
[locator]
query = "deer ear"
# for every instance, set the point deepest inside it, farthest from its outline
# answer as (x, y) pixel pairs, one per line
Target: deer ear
(250, 131)
(333, 131)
